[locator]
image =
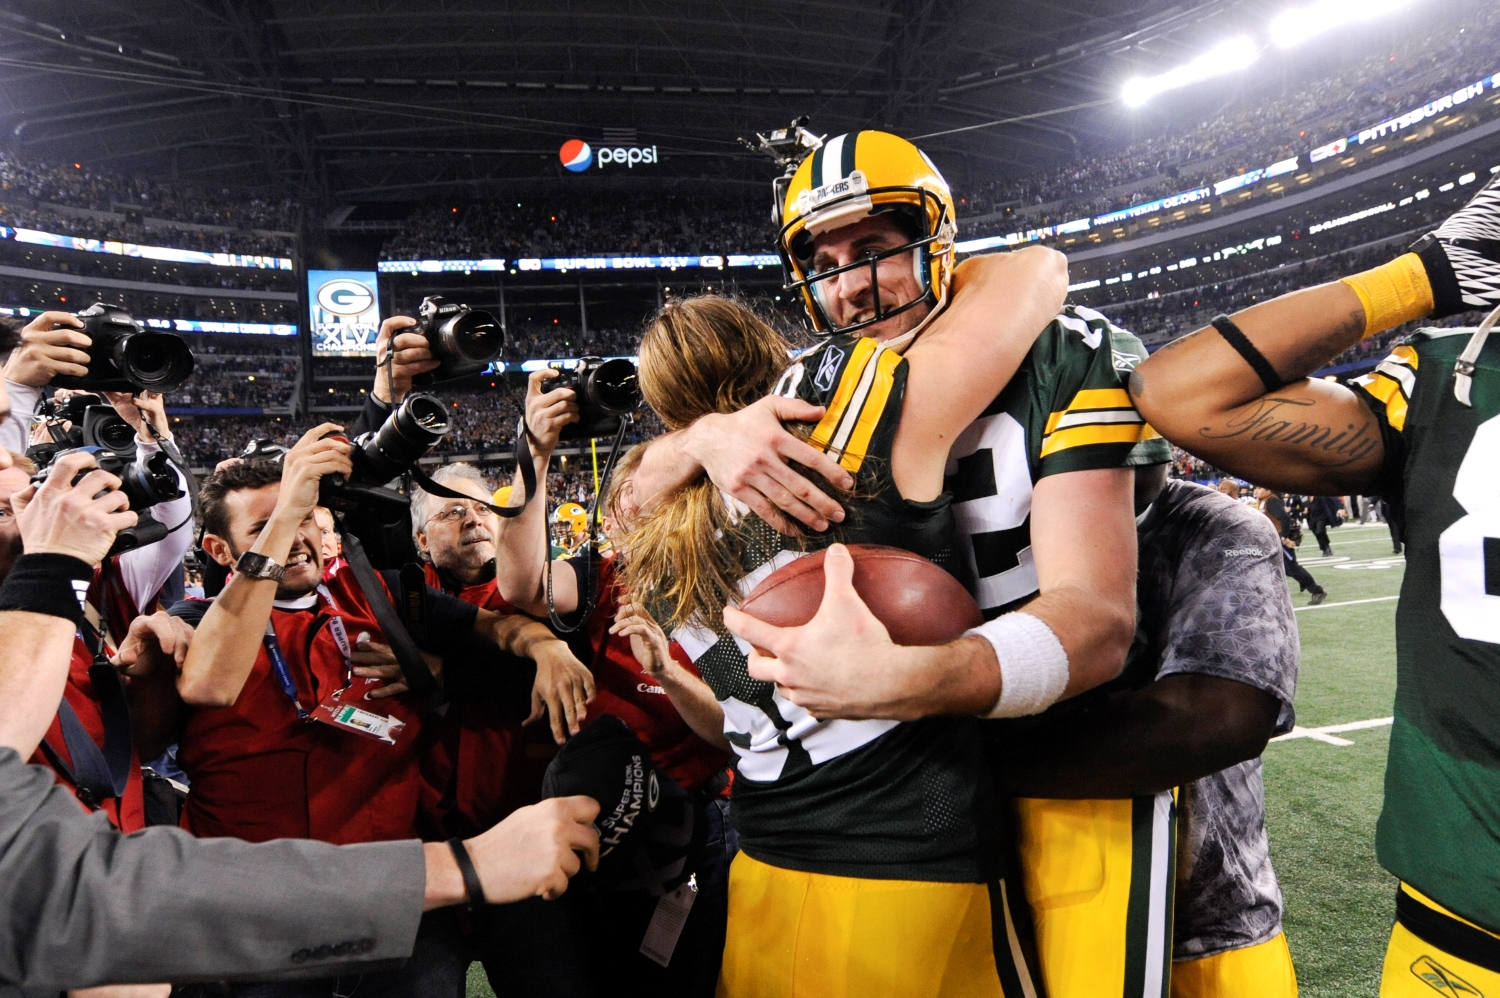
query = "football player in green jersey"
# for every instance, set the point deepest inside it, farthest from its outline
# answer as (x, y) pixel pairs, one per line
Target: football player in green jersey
(1423, 431)
(1032, 462)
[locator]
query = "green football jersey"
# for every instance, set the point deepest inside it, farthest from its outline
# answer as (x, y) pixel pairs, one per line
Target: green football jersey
(873, 799)
(1066, 409)
(1439, 829)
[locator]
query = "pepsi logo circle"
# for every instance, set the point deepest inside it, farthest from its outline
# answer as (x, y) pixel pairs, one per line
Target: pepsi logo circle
(345, 297)
(576, 155)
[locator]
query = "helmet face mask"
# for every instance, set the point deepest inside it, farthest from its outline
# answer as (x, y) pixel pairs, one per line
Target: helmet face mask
(853, 178)
(817, 287)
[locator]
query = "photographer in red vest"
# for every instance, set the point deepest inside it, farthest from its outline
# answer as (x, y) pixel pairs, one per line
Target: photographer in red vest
(302, 726)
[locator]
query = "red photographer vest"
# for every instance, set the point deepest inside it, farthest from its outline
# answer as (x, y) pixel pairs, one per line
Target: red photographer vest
(482, 764)
(626, 692)
(260, 772)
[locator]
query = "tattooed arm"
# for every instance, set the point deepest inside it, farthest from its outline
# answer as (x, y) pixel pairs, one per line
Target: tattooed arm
(1312, 437)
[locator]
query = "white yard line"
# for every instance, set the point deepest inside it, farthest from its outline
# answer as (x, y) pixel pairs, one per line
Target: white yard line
(1352, 602)
(1326, 733)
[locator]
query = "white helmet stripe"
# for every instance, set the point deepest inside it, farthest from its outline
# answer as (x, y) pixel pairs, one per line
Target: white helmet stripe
(833, 158)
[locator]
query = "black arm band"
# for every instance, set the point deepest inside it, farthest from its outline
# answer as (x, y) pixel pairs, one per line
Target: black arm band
(1246, 349)
(472, 885)
(53, 584)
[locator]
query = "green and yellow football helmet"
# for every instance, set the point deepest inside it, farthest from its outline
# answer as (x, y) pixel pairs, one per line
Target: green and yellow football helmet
(852, 177)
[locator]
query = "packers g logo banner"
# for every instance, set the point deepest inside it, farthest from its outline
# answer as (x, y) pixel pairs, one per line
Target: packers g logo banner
(345, 312)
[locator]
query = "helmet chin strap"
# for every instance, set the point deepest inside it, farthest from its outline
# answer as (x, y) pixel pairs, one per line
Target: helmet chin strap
(901, 343)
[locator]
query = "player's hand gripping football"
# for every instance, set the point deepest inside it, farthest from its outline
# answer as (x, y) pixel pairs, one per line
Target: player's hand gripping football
(840, 664)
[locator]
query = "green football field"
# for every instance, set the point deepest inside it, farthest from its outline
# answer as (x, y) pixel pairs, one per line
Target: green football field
(1322, 798)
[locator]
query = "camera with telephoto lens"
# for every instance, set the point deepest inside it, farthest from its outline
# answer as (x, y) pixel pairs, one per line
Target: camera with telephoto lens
(606, 390)
(463, 340)
(385, 454)
(82, 420)
(145, 483)
(123, 357)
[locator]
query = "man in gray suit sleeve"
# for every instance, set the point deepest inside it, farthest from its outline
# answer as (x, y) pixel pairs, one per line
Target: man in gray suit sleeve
(85, 905)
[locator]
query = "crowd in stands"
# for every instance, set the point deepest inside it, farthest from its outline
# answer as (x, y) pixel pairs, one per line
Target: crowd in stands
(1193, 469)
(544, 341)
(1256, 129)
(105, 190)
(16, 292)
(587, 225)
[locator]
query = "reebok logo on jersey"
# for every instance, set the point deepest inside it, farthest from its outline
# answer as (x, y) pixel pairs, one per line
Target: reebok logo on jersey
(1244, 553)
(1442, 980)
(828, 368)
(1124, 361)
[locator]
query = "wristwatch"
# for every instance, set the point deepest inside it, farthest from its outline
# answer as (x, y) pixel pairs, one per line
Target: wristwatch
(258, 566)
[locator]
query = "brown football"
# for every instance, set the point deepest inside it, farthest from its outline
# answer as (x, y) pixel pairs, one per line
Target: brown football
(918, 602)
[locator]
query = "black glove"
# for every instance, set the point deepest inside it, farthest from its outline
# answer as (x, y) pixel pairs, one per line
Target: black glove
(1462, 257)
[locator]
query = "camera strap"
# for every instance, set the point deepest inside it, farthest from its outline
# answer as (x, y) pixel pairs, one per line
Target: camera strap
(528, 479)
(96, 774)
(181, 464)
(413, 667)
(589, 594)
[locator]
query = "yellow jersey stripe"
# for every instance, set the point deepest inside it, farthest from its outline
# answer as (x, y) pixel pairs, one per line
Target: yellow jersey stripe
(1387, 390)
(1092, 398)
(1084, 436)
(1405, 355)
(823, 433)
(879, 394)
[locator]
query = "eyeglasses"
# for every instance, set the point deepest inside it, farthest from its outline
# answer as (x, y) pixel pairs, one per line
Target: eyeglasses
(459, 511)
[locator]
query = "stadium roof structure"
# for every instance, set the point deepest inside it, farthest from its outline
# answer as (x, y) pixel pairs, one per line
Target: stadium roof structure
(342, 101)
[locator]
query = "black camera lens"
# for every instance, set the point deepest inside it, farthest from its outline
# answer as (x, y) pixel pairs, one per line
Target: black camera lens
(148, 482)
(463, 340)
(615, 387)
(158, 362)
(103, 427)
(125, 358)
(473, 335)
(406, 435)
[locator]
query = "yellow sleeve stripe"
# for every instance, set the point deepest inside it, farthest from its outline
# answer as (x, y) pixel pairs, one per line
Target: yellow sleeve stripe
(1084, 436)
(1387, 390)
(854, 452)
(1149, 433)
(858, 403)
(822, 434)
(1405, 355)
(1091, 398)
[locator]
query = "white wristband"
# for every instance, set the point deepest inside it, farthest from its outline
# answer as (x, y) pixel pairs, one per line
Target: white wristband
(1033, 664)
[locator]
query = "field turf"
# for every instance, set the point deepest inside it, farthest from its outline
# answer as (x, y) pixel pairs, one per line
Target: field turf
(1322, 799)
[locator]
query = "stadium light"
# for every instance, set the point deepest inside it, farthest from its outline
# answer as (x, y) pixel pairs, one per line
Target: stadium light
(1226, 57)
(1293, 27)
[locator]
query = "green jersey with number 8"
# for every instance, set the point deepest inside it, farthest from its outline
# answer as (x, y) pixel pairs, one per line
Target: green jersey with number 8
(1439, 829)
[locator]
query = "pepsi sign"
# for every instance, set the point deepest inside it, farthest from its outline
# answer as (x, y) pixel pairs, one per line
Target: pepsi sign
(345, 307)
(577, 155)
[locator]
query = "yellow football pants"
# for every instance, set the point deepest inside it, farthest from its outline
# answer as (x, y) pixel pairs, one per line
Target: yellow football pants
(1261, 971)
(1100, 876)
(1416, 968)
(808, 935)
